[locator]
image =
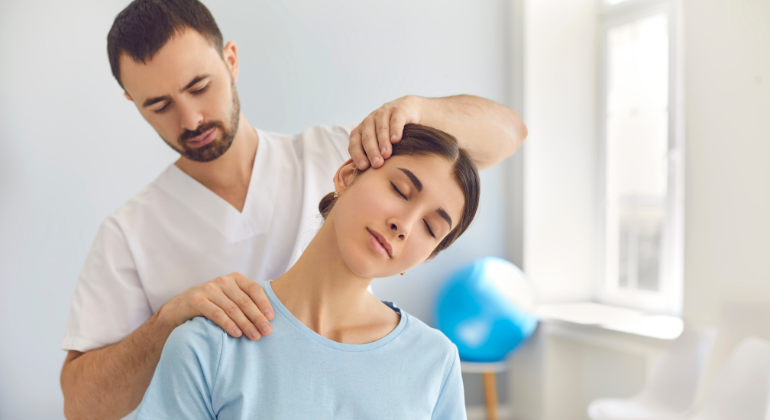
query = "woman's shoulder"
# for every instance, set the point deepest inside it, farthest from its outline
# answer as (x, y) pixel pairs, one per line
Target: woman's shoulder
(199, 325)
(427, 338)
(197, 335)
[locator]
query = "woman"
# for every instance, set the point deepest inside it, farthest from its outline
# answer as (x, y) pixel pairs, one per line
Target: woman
(336, 351)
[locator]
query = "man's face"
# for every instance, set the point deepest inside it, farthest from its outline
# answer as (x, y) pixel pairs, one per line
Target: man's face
(187, 94)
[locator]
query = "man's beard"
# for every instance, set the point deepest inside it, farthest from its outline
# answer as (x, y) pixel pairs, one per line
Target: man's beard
(216, 147)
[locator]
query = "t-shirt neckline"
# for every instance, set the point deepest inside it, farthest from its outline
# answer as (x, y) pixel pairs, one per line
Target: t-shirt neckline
(278, 306)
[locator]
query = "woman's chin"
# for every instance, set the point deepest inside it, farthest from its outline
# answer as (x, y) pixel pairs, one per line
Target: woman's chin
(367, 271)
(369, 267)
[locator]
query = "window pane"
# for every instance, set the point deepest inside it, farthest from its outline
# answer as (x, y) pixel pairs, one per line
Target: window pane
(636, 146)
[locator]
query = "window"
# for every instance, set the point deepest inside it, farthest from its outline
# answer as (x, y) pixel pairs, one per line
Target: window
(641, 156)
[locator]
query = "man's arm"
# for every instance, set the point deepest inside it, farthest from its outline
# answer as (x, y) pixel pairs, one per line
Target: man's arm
(489, 131)
(108, 383)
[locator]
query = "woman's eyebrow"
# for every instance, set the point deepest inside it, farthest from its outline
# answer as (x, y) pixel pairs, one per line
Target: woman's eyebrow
(415, 181)
(446, 217)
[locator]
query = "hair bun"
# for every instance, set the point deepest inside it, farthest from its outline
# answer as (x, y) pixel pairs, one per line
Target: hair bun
(326, 204)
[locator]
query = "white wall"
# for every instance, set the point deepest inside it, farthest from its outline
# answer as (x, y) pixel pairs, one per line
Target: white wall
(727, 216)
(727, 167)
(72, 149)
(727, 53)
(560, 156)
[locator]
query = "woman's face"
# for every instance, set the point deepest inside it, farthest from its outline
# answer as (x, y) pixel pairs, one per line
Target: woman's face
(392, 218)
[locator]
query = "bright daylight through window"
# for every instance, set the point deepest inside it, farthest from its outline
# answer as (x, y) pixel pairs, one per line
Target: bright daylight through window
(640, 170)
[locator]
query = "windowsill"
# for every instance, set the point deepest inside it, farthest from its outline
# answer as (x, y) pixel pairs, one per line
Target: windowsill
(606, 326)
(590, 317)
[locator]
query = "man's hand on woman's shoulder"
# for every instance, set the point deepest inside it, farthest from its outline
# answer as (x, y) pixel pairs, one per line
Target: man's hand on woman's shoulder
(234, 302)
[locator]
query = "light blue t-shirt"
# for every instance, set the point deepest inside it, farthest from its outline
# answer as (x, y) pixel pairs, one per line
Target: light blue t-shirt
(294, 373)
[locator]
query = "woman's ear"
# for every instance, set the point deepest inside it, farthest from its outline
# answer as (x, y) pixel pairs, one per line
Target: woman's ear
(345, 175)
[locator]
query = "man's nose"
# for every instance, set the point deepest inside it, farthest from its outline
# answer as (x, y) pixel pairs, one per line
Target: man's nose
(190, 117)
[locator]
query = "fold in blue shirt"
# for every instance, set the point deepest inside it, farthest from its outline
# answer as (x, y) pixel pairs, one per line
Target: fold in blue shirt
(294, 373)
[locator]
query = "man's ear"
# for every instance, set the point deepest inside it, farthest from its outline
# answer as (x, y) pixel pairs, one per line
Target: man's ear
(128, 96)
(230, 55)
(345, 176)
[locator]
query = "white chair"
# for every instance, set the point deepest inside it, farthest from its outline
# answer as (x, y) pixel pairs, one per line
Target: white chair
(674, 383)
(742, 391)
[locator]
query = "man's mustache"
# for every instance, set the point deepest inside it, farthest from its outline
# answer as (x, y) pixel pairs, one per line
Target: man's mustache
(188, 134)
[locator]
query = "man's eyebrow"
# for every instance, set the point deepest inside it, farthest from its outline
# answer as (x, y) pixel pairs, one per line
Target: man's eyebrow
(415, 181)
(157, 99)
(193, 82)
(446, 217)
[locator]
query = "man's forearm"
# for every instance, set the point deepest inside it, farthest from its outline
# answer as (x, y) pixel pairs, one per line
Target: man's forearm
(489, 131)
(108, 383)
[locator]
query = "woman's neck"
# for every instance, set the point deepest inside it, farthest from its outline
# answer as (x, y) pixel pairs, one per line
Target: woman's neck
(324, 294)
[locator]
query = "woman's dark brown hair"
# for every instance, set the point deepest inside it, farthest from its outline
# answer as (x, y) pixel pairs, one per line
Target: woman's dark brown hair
(420, 140)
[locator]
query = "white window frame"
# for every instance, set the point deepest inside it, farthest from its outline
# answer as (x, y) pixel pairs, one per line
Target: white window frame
(668, 300)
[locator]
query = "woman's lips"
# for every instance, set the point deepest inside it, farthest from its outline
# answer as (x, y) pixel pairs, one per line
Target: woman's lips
(379, 244)
(203, 139)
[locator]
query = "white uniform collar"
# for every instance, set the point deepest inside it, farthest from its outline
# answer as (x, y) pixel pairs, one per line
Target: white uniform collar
(234, 226)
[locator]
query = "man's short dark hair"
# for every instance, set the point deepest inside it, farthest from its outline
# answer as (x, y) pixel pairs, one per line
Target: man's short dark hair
(144, 27)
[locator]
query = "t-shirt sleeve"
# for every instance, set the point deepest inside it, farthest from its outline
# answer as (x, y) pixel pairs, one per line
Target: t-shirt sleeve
(451, 400)
(109, 301)
(184, 380)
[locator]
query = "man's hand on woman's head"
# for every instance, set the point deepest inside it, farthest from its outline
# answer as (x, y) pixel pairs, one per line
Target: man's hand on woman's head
(234, 302)
(370, 142)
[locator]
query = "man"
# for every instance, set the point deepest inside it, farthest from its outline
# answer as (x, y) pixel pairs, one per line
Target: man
(238, 199)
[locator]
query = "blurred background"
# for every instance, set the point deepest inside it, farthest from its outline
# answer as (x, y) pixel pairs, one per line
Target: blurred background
(643, 188)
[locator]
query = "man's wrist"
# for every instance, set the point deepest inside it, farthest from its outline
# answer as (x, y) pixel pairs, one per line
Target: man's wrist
(422, 106)
(166, 317)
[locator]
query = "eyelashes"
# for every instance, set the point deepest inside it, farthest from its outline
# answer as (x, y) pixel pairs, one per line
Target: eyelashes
(201, 90)
(196, 92)
(395, 188)
(398, 191)
(158, 111)
(429, 229)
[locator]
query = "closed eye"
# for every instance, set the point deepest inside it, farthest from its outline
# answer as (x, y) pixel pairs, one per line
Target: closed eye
(201, 90)
(160, 110)
(429, 229)
(398, 191)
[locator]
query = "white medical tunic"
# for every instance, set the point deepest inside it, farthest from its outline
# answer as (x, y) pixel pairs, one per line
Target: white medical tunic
(176, 234)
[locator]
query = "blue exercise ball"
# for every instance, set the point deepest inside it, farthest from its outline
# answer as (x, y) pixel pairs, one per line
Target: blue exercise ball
(485, 308)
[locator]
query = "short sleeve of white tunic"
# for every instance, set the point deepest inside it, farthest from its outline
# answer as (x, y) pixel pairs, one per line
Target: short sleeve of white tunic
(176, 233)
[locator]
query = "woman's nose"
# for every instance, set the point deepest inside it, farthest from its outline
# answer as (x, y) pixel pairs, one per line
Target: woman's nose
(395, 228)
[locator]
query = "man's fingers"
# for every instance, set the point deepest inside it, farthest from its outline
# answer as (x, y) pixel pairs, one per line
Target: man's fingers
(369, 141)
(257, 295)
(249, 308)
(234, 312)
(382, 121)
(356, 149)
(397, 122)
(213, 312)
